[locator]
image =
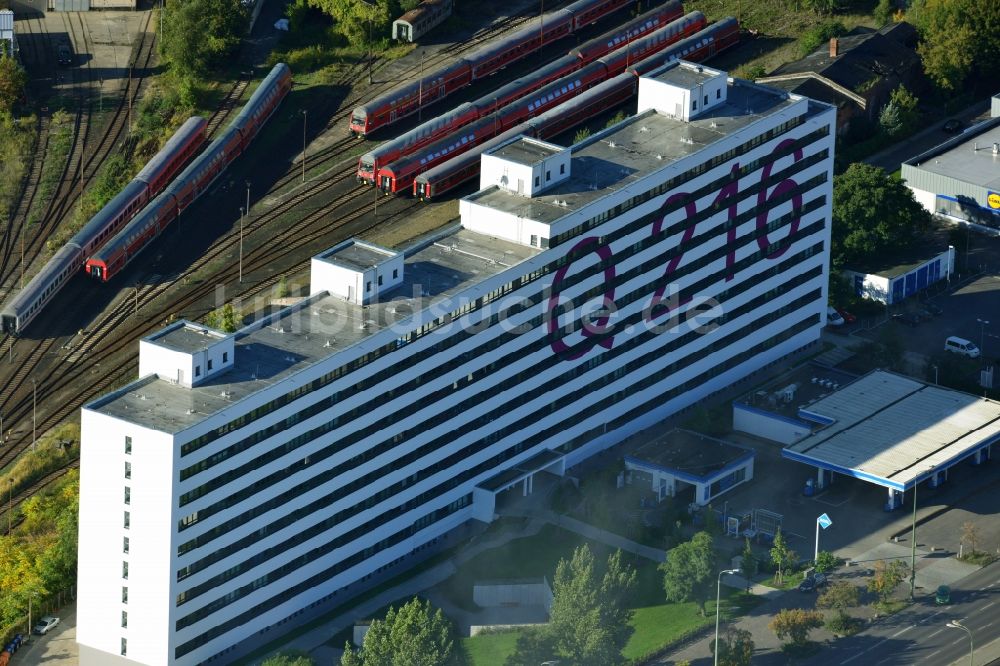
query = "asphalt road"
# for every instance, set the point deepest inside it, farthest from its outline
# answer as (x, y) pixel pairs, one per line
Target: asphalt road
(918, 635)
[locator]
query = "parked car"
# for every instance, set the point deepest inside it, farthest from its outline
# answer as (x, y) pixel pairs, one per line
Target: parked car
(932, 309)
(952, 126)
(847, 316)
(45, 625)
(833, 318)
(64, 56)
(812, 582)
(943, 595)
(961, 346)
(911, 319)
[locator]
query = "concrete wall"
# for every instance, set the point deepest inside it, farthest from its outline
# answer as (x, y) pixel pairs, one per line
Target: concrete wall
(489, 595)
(776, 428)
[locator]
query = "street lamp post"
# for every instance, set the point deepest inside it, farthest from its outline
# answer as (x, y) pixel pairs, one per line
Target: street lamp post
(955, 624)
(305, 117)
(913, 537)
(248, 198)
(982, 336)
(718, 595)
(241, 244)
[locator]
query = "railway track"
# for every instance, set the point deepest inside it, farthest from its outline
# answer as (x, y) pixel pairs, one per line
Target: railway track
(94, 360)
(86, 154)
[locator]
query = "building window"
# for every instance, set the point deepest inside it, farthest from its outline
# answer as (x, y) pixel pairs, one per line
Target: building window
(562, 169)
(127, 515)
(124, 647)
(197, 371)
(694, 105)
(124, 619)
(706, 100)
(128, 445)
(369, 286)
(128, 470)
(125, 570)
(124, 595)
(537, 182)
(125, 545)
(534, 240)
(380, 280)
(225, 357)
(548, 175)
(209, 368)
(128, 495)
(395, 273)
(718, 94)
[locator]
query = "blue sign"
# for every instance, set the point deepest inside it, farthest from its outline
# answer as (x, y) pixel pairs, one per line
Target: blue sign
(824, 521)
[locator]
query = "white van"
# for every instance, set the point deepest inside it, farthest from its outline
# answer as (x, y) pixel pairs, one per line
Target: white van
(961, 346)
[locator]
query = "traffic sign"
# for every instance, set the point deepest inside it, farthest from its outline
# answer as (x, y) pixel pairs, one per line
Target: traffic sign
(824, 521)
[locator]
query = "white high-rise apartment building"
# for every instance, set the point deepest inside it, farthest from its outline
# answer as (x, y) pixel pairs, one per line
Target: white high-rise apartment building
(245, 479)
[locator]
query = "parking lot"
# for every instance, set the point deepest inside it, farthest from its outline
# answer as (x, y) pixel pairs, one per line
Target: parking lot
(56, 647)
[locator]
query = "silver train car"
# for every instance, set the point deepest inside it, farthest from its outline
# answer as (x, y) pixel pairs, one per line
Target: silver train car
(417, 22)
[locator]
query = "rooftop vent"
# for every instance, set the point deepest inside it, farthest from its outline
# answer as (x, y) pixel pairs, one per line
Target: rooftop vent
(643, 129)
(612, 144)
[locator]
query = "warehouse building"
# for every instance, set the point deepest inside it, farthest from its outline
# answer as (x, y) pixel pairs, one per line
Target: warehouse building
(247, 482)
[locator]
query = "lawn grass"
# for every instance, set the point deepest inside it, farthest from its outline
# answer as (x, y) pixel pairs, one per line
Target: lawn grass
(489, 649)
(789, 581)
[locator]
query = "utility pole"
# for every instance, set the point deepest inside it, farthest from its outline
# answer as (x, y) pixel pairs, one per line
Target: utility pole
(305, 116)
(248, 198)
(136, 289)
(34, 420)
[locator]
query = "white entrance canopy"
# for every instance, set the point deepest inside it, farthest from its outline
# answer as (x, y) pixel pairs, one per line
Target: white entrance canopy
(895, 431)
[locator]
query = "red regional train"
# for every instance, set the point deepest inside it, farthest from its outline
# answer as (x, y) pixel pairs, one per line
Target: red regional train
(70, 258)
(435, 182)
(390, 151)
(486, 60)
(194, 180)
(399, 176)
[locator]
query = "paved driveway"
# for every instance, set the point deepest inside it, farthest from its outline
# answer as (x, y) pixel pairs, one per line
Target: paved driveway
(56, 647)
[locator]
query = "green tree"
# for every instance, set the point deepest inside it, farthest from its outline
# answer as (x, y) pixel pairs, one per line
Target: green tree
(819, 35)
(782, 557)
(534, 646)
(884, 11)
(795, 624)
(735, 647)
(873, 213)
(227, 319)
(887, 577)
(841, 290)
(750, 564)
(353, 17)
(959, 39)
(890, 121)
(199, 35)
(840, 596)
(970, 535)
(293, 658)
(823, 6)
(589, 616)
(581, 134)
(690, 569)
(415, 635)
(826, 561)
(900, 116)
(13, 78)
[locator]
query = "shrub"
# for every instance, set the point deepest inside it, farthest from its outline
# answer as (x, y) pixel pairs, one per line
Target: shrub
(816, 36)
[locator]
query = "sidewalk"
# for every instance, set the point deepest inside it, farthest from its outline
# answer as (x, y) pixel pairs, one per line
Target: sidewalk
(984, 655)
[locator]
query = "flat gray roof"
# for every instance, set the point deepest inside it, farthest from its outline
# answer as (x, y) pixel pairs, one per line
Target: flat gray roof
(186, 337)
(357, 255)
(891, 430)
(301, 335)
(686, 75)
(688, 454)
(524, 150)
(638, 146)
(968, 158)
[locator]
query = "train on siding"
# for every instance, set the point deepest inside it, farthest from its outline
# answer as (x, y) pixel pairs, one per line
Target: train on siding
(149, 182)
(433, 129)
(194, 180)
(482, 62)
(444, 177)
(399, 176)
(420, 20)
